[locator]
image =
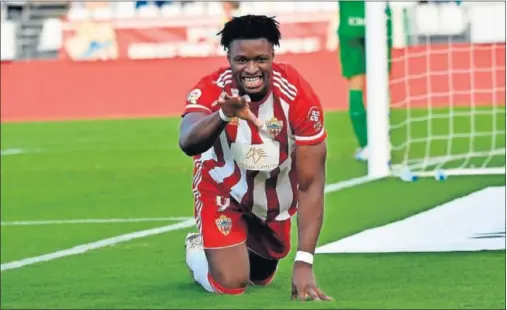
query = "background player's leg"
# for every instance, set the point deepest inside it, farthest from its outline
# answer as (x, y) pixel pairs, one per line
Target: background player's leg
(353, 62)
(357, 110)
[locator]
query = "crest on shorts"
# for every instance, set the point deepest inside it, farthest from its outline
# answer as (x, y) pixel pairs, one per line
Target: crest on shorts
(274, 126)
(224, 224)
(194, 95)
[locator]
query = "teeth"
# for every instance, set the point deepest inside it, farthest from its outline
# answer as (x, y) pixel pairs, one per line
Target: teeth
(250, 80)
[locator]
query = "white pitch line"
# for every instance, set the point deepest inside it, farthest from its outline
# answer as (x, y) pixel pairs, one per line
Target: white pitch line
(334, 187)
(93, 221)
(7, 152)
(145, 233)
(80, 249)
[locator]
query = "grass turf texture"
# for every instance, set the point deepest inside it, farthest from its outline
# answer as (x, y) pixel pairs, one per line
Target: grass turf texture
(133, 169)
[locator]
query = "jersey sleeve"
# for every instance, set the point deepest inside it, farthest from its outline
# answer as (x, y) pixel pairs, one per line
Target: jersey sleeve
(306, 116)
(202, 96)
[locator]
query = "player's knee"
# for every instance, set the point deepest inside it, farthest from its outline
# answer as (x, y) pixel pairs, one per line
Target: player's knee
(357, 82)
(229, 283)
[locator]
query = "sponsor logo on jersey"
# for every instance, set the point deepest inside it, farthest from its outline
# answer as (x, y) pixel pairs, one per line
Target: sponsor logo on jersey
(258, 157)
(224, 224)
(274, 126)
(194, 95)
(256, 154)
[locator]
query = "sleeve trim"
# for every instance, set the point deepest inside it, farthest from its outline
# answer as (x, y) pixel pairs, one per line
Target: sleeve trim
(314, 137)
(197, 106)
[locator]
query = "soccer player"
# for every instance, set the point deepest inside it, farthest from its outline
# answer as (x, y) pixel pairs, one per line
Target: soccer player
(256, 132)
(351, 34)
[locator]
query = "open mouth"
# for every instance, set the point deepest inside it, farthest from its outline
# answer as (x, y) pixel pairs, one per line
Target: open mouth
(252, 82)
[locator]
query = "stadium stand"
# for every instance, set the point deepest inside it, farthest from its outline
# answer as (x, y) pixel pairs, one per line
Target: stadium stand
(38, 24)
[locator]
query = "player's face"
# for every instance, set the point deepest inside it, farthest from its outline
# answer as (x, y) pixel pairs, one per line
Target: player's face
(251, 62)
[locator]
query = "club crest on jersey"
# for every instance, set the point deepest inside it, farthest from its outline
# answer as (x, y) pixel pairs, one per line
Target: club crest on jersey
(224, 224)
(194, 95)
(274, 126)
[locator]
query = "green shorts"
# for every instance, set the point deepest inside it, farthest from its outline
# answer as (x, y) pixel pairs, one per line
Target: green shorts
(353, 55)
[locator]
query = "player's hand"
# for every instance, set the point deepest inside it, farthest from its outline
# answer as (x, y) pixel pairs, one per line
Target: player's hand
(304, 286)
(234, 105)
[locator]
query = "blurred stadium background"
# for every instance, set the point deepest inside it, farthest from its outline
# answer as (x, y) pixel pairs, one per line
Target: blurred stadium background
(95, 194)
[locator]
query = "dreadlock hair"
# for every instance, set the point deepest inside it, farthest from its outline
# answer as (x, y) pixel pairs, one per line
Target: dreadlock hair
(250, 27)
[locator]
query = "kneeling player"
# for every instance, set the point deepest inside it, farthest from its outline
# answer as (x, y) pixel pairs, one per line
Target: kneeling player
(256, 132)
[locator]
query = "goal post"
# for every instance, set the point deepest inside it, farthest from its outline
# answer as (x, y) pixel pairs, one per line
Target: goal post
(378, 90)
(442, 107)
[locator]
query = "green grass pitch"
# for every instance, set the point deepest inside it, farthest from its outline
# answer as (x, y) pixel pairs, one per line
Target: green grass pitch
(134, 169)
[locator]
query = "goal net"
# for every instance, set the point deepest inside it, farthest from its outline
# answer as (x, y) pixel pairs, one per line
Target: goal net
(445, 94)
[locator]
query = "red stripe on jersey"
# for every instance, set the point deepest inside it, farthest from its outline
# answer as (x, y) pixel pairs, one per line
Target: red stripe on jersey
(232, 131)
(272, 198)
(220, 153)
(256, 138)
(282, 137)
(247, 201)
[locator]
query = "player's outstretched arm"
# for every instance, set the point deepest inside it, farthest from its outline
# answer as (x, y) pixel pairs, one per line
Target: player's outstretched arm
(311, 161)
(199, 131)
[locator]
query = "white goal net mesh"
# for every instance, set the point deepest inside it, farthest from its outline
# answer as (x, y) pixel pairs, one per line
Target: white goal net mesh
(447, 88)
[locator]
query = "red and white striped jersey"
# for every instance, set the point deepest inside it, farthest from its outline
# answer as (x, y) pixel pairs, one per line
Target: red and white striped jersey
(257, 168)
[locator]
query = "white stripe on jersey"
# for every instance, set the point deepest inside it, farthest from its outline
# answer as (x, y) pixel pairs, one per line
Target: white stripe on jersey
(260, 200)
(243, 135)
(283, 185)
(224, 79)
(283, 91)
(221, 77)
(285, 81)
(284, 88)
(220, 173)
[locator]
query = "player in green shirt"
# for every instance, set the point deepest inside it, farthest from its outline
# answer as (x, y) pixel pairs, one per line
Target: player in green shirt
(351, 34)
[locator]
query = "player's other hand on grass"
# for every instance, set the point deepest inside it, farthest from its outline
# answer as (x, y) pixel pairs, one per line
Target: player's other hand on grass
(234, 105)
(304, 287)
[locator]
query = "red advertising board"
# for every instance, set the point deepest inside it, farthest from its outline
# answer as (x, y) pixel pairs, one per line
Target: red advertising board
(460, 75)
(194, 37)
